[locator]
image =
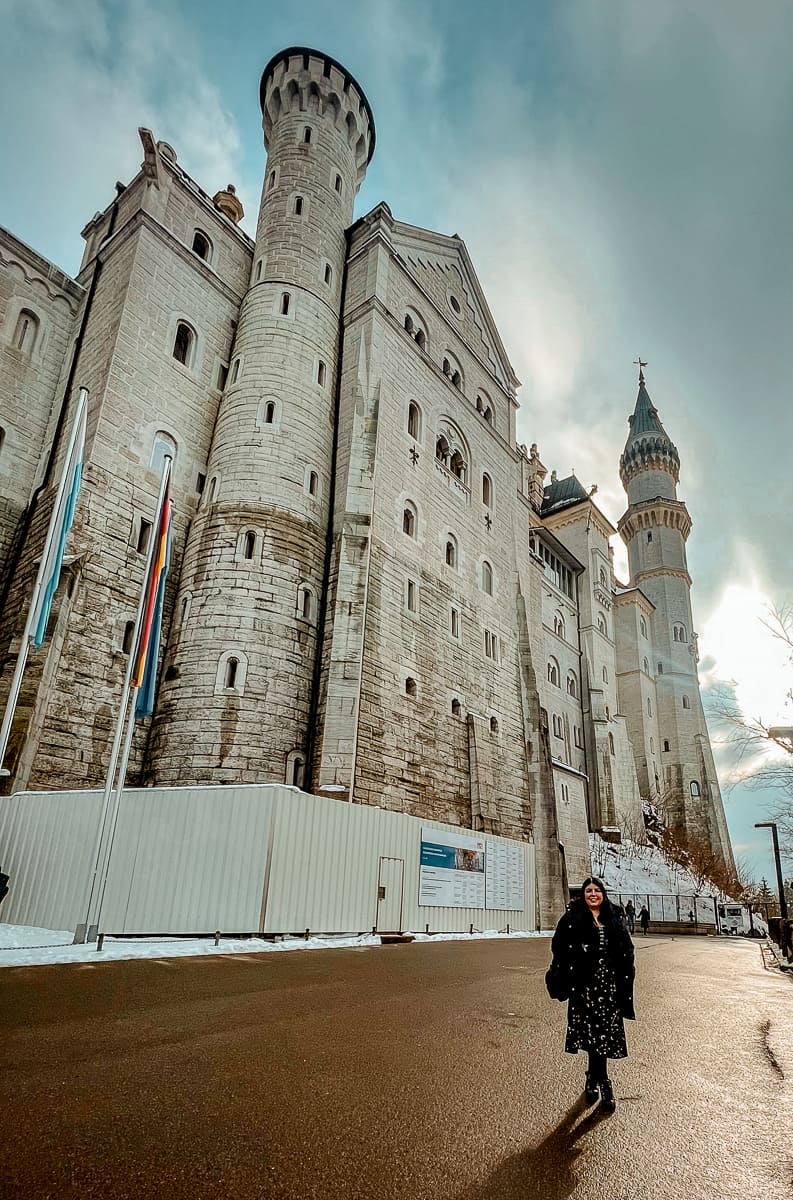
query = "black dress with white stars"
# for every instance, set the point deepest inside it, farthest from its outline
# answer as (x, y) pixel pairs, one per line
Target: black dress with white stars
(594, 1012)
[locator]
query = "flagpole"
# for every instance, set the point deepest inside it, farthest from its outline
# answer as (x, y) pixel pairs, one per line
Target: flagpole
(27, 636)
(83, 931)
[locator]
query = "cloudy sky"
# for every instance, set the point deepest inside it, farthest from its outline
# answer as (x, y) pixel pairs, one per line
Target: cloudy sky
(620, 171)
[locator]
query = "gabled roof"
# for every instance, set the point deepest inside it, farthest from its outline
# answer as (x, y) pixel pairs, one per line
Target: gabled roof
(441, 266)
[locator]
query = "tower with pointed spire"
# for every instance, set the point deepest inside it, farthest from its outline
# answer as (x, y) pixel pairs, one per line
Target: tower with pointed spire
(655, 529)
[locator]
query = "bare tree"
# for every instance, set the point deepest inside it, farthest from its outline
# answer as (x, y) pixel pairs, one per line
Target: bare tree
(756, 741)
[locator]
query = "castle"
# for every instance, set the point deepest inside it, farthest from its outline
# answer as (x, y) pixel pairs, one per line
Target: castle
(375, 593)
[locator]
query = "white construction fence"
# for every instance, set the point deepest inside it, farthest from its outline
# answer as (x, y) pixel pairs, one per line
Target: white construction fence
(256, 859)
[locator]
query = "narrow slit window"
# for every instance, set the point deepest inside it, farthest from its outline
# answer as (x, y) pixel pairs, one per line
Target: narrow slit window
(285, 298)
(328, 273)
(269, 412)
(411, 598)
(337, 184)
(455, 707)
(231, 673)
(249, 544)
(454, 623)
(129, 630)
(307, 136)
(298, 206)
(321, 373)
(144, 532)
(313, 483)
(235, 371)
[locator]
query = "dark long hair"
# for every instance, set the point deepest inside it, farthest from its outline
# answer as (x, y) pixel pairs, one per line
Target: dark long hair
(609, 912)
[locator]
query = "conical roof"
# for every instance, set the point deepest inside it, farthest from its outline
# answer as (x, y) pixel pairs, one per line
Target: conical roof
(649, 447)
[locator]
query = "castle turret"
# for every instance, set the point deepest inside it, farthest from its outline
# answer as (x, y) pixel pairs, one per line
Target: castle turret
(655, 529)
(236, 695)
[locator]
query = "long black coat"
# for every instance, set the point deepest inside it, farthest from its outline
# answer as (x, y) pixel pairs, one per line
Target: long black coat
(575, 948)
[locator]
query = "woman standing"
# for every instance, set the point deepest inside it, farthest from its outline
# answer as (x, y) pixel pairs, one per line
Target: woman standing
(593, 956)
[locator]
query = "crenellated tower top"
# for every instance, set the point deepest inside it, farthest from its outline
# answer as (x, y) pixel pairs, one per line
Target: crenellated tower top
(301, 80)
(649, 447)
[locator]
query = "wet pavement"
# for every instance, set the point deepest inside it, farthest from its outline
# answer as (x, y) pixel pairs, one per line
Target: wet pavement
(432, 1070)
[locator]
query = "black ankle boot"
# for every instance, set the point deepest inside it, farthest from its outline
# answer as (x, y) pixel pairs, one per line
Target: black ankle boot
(607, 1095)
(590, 1089)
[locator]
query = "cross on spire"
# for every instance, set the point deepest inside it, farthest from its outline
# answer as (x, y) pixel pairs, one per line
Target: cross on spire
(641, 364)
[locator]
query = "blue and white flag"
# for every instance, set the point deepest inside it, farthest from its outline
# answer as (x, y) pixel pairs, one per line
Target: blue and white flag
(60, 524)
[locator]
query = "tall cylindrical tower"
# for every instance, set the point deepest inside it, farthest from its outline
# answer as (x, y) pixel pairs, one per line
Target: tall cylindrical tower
(236, 693)
(655, 529)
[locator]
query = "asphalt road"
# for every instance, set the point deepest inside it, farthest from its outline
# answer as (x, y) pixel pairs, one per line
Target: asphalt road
(411, 1071)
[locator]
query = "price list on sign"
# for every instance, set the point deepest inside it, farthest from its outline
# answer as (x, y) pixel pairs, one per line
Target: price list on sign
(505, 878)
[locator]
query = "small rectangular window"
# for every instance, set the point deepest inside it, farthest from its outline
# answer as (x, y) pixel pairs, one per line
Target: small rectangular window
(411, 596)
(199, 483)
(298, 206)
(144, 532)
(328, 273)
(223, 374)
(337, 184)
(454, 623)
(307, 135)
(235, 371)
(285, 304)
(321, 371)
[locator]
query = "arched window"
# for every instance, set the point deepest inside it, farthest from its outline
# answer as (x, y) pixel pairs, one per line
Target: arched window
(457, 465)
(162, 445)
(230, 677)
(285, 299)
(693, 787)
(455, 707)
(451, 551)
(602, 577)
(442, 451)
(451, 453)
(611, 743)
(234, 374)
(328, 274)
(487, 491)
(494, 725)
(553, 672)
(452, 370)
(484, 407)
(421, 339)
(642, 626)
(679, 633)
(605, 675)
(322, 371)
(649, 707)
(307, 135)
(414, 420)
(202, 245)
(313, 483)
(293, 774)
(558, 625)
(249, 544)
(646, 665)
(409, 521)
(487, 578)
(686, 702)
(126, 643)
(26, 331)
(298, 206)
(608, 713)
(652, 746)
(183, 344)
(666, 745)
(572, 684)
(602, 624)
(410, 687)
(269, 412)
(649, 537)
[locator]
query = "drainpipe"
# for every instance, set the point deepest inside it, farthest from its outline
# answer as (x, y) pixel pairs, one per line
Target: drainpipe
(311, 736)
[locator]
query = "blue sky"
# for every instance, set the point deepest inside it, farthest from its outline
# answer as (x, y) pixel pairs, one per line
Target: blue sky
(621, 174)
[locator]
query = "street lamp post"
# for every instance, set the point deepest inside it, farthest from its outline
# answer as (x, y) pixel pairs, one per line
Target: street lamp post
(777, 863)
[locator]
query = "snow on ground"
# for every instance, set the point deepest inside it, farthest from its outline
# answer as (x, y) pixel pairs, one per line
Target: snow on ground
(630, 868)
(24, 946)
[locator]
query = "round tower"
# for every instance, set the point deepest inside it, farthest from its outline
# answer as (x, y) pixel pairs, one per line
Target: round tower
(236, 693)
(655, 530)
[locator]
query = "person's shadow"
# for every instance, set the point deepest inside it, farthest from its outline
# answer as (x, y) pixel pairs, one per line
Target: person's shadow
(545, 1171)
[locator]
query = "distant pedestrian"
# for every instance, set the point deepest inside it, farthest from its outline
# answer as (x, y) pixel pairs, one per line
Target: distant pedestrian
(593, 970)
(644, 919)
(630, 915)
